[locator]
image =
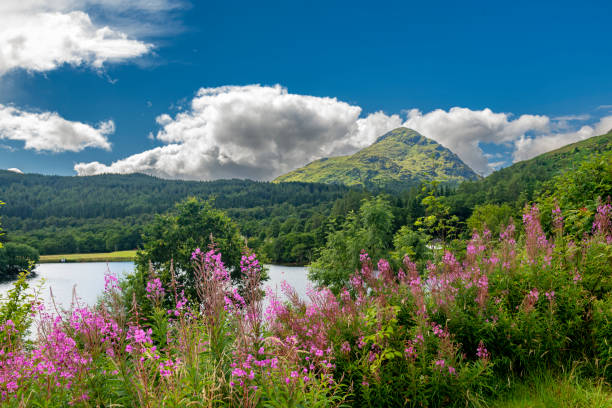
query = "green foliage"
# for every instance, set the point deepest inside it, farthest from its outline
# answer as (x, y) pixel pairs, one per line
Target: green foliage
(561, 390)
(578, 193)
(16, 258)
(172, 238)
(522, 182)
(370, 230)
(398, 160)
(437, 222)
(60, 215)
(491, 217)
(412, 243)
(16, 307)
(602, 335)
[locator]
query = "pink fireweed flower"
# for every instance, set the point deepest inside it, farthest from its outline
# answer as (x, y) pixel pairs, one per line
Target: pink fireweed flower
(482, 352)
(364, 257)
(603, 220)
(535, 239)
(360, 342)
(557, 219)
(155, 290)
(196, 254)
(238, 372)
(530, 300)
(110, 282)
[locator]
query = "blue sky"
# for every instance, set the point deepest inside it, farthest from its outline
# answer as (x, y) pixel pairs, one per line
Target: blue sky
(495, 82)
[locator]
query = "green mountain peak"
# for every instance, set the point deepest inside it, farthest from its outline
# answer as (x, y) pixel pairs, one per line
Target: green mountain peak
(399, 159)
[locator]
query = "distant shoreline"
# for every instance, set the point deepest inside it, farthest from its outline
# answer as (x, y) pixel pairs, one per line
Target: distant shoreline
(117, 256)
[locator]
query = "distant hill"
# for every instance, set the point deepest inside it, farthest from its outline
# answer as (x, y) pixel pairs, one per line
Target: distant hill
(519, 183)
(398, 160)
(59, 214)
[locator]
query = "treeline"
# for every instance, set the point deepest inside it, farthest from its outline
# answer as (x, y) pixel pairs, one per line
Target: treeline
(57, 214)
(284, 222)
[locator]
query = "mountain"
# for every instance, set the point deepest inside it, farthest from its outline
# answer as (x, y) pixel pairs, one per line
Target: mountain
(398, 160)
(520, 182)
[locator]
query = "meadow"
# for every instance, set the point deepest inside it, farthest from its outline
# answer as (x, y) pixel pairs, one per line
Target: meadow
(116, 256)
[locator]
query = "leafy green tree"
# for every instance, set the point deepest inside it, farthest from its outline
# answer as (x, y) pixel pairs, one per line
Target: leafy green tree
(16, 258)
(438, 221)
(491, 216)
(406, 241)
(173, 237)
(370, 230)
(578, 193)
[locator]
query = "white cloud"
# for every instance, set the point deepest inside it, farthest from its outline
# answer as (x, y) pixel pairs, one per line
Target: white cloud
(15, 170)
(528, 147)
(568, 118)
(462, 130)
(260, 132)
(251, 132)
(48, 131)
(40, 36)
(498, 164)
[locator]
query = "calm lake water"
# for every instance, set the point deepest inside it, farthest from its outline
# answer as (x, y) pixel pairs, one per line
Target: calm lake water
(86, 279)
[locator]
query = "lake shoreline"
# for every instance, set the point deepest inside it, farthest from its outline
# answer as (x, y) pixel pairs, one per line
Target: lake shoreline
(117, 256)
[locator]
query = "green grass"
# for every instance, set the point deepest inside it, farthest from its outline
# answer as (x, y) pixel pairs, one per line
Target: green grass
(551, 391)
(117, 256)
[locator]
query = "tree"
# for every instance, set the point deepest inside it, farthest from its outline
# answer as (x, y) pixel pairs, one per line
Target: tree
(411, 243)
(491, 216)
(173, 238)
(370, 230)
(16, 258)
(437, 221)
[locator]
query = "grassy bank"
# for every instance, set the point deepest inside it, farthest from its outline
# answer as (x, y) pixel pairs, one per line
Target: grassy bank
(559, 391)
(117, 256)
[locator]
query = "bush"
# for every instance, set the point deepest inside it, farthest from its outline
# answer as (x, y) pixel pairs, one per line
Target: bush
(16, 258)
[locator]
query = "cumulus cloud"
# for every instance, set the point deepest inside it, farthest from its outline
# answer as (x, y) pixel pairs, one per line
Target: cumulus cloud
(40, 36)
(462, 130)
(251, 132)
(528, 147)
(260, 132)
(48, 131)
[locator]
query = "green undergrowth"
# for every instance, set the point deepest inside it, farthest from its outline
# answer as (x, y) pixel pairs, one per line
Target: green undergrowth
(556, 390)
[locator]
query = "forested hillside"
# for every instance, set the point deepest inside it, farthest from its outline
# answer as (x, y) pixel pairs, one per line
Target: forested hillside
(519, 183)
(284, 222)
(58, 214)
